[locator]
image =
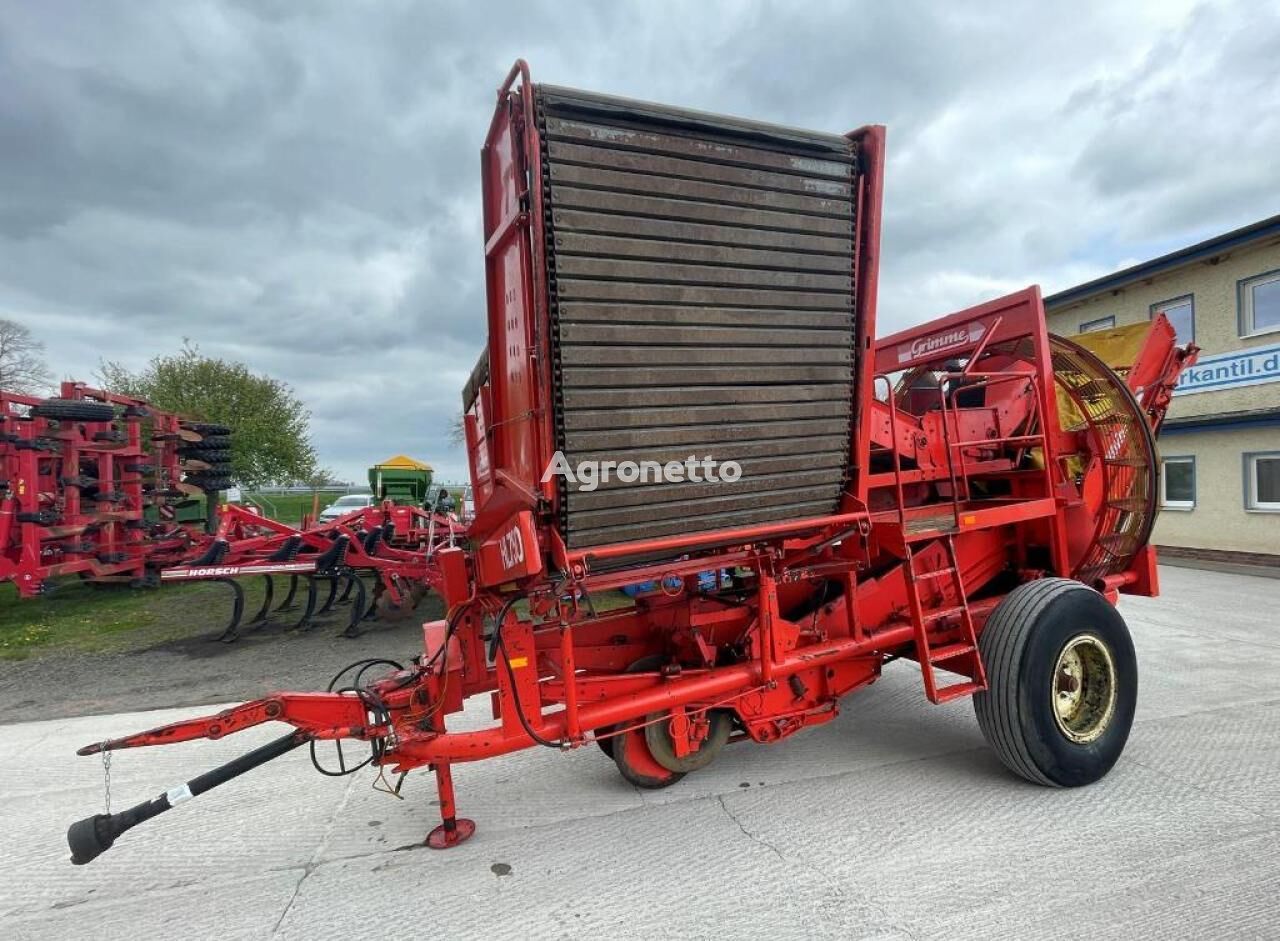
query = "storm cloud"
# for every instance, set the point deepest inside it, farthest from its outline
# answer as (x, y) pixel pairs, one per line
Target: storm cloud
(296, 185)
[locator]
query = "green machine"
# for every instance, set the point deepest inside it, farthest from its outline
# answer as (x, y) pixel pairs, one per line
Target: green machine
(401, 480)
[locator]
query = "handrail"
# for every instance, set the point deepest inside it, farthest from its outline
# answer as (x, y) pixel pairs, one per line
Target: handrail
(897, 456)
(988, 377)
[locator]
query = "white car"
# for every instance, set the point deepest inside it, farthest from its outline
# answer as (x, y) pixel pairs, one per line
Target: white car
(344, 505)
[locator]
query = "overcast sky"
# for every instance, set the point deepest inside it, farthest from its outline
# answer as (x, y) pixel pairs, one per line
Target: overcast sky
(296, 185)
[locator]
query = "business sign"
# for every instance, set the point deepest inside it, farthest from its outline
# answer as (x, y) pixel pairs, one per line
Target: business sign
(1231, 371)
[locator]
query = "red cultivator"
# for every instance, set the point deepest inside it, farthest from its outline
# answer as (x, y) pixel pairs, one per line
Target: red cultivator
(394, 545)
(971, 494)
(94, 483)
(81, 475)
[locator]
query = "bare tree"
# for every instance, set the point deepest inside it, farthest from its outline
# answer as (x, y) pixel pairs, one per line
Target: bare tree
(22, 367)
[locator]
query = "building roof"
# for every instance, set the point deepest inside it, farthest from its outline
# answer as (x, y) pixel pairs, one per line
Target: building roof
(1183, 256)
(1238, 418)
(401, 462)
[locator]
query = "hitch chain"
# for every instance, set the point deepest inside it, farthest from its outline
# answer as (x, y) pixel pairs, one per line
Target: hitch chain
(106, 778)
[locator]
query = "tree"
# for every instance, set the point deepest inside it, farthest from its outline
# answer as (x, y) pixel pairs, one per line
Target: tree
(270, 438)
(316, 478)
(22, 367)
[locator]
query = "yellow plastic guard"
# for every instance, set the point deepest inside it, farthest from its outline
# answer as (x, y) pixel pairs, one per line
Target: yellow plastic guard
(1118, 347)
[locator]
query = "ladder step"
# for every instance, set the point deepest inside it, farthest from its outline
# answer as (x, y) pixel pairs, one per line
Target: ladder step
(950, 652)
(936, 573)
(948, 693)
(942, 613)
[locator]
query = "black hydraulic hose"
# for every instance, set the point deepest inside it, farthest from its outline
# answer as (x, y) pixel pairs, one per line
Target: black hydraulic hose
(91, 837)
(496, 646)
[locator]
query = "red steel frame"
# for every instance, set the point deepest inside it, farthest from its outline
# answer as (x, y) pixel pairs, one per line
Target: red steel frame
(99, 539)
(909, 566)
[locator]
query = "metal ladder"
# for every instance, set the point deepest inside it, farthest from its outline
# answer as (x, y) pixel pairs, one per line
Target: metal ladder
(931, 657)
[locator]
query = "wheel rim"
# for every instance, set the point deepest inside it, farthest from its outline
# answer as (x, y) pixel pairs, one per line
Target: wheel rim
(1084, 688)
(663, 749)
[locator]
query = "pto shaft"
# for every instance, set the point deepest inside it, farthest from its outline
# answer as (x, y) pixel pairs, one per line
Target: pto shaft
(92, 836)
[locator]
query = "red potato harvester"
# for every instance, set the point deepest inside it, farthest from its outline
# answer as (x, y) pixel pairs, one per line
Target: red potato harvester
(971, 494)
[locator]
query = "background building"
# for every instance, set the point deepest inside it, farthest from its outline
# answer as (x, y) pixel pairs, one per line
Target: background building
(1220, 447)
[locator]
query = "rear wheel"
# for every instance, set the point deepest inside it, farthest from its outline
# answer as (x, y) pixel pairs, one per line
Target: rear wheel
(1062, 682)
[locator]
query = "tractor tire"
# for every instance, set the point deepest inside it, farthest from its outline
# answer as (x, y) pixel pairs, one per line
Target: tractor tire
(39, 517)
(208, 428)
(73, 410)
(1062, 683)
(208, 443)
(209, 455)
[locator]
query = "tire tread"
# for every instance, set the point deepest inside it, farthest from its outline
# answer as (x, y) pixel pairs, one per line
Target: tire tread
(1001, 644)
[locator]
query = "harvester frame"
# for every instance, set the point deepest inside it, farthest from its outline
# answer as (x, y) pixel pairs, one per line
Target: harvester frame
(996, 499)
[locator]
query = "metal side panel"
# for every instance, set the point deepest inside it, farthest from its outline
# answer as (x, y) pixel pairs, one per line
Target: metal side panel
(702, 304)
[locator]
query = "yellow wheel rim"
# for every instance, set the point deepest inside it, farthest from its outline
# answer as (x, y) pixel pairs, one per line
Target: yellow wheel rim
(1084, 688)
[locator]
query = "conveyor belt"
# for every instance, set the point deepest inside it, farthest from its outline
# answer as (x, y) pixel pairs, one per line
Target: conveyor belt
(701, 304)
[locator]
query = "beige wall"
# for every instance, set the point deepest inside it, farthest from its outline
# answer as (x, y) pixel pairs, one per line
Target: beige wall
(1219, 519)
(1214, 287)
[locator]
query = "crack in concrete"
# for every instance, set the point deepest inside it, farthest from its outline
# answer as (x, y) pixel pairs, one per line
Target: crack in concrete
(747, 833)
(833, 884)
(313, 862)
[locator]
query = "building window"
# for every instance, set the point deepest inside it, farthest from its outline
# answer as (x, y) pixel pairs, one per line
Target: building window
(1262, 481)
(1102, 323)
(1181, 313)
(1178, 483)
(1260, 304)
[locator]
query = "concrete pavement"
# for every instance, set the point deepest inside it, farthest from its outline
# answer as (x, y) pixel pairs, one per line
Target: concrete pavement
(894, 821)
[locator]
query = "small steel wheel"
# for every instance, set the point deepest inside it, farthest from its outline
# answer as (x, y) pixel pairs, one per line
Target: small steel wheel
(637, 763)
(1062, 682)
(662, 746)
(602, 737)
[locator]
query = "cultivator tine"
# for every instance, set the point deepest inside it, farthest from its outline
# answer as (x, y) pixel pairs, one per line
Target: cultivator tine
(288, 598)
(331, 597)
(261, 617)
(346, 591)
(304, 622)
(378, 589)
(237, 611)
(357, 607)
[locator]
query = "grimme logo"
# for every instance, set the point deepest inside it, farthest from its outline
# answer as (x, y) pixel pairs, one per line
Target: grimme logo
(960, 336)
(589, 475)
